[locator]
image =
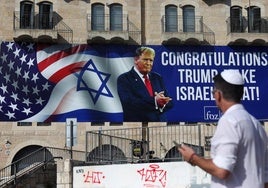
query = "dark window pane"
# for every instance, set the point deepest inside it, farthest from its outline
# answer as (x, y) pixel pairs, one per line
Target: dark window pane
(254, 18)
(188, 19)
(97, 17)
(26, 15)
(171, 18)
(97, 123)
(43, 124)
(236, 19)
(116, 17)
(24, 124)
(45, 16)
(116, 124)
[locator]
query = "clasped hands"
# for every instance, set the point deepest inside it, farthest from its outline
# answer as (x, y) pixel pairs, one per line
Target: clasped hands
(161, 99)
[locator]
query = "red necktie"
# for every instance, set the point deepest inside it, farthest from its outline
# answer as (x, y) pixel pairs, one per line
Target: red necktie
(148, 85)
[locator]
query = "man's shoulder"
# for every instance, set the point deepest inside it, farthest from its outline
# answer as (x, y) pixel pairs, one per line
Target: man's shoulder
(131, 72)
(155, 74)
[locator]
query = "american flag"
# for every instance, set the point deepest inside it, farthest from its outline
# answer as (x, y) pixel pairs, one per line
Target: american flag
(21, 82)
(44, 83)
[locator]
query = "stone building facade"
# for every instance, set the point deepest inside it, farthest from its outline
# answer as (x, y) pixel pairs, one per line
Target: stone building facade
(154, 22)
(142, 22)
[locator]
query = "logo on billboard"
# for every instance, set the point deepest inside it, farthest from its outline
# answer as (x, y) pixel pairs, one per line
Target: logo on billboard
(211, 113)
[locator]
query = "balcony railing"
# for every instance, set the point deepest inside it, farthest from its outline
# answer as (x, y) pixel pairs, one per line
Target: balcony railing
(108, 27)
(243, 32)
(236, 25)
(186, 28)
(36, 25)
(107, 23)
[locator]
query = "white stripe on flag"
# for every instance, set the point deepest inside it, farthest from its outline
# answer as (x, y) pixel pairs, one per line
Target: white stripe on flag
(65, 98)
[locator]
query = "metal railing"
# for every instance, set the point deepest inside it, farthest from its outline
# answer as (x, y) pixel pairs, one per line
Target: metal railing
(209, 35)
(45, 22)
(146, 144)
(134, 32)
(179, 24)
(106, 22)
(12, 173)
(113, 25)
(242, 25)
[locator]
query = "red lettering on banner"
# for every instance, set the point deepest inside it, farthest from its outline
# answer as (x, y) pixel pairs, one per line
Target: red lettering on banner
(153, 176)
(93, 177)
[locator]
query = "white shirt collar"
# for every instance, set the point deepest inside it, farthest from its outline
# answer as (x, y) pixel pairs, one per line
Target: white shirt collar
(234, 107)
(138, 72)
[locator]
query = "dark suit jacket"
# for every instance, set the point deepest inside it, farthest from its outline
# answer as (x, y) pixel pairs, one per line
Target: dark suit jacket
(137, 104)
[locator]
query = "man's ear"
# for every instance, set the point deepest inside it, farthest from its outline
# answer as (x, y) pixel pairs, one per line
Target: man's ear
(218, 95)
(136, 59)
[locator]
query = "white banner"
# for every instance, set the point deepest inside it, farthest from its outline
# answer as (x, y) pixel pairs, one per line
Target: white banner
(144, 175)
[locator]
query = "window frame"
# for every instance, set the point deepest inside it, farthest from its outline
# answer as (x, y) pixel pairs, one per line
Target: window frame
(189, 18)
(171, 18)
(254, 19)
(236, 19)
(97, 17)
(45, 15)
(116, 17)
(26, 16)
(24, 124)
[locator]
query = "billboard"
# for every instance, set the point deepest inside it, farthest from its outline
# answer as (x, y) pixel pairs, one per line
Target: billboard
(50, 83)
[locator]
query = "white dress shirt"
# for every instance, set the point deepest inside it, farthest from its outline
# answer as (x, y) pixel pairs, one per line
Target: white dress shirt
(239, 145)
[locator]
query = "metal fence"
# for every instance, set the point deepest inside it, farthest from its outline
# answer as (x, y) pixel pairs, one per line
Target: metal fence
(146, 144)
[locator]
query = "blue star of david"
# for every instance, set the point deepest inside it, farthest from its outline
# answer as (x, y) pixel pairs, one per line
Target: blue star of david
(102, 89)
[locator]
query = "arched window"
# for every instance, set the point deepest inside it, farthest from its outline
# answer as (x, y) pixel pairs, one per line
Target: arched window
(236, 19)
(37, 154)
(106, 154)
(26, 15)
(45, 15)
(254, 19)
(97, 17)
(116, 17)
(171, 18)
(188, 18)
